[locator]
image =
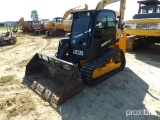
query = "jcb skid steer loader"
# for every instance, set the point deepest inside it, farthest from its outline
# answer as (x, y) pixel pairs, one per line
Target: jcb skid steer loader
(94, 52)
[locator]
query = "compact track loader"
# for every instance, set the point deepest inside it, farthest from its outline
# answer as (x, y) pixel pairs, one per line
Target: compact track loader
(94, 52)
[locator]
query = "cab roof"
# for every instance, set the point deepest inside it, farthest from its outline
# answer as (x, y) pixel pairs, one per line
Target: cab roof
(149, 2)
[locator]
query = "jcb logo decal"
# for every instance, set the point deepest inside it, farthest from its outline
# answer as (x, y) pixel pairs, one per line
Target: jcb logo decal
(78, 52)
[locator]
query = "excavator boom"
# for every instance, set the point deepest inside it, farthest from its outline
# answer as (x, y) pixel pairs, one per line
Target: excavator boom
(101, 4)
(61, 27)
(15, 29)
(68, 12)
(26, 27)
(68, 23)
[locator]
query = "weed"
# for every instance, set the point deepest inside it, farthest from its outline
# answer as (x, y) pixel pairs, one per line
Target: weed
(18, 43)
(8, 47)
(23, 63)
(55, 47)
(32, 39)
(3, 28)
(6, 79)
(8, 69)
(19, 104)
(21, 34)
(13, 82)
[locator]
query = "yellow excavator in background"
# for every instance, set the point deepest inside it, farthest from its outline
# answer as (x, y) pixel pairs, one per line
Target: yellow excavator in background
(144, 28)
(50, 25)
(26, 26)
(94, 52)
(57, 27)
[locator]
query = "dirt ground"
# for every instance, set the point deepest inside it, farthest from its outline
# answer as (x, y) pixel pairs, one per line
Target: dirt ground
(133, 94)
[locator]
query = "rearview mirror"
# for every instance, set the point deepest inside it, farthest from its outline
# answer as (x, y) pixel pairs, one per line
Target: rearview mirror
(122, 26)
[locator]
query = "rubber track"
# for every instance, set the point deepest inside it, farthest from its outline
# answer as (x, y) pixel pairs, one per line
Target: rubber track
(87, 69)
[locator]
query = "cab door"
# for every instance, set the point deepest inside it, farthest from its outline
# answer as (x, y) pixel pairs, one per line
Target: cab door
(105, 29)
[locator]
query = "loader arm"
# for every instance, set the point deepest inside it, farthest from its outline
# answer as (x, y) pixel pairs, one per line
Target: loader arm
(15, 29)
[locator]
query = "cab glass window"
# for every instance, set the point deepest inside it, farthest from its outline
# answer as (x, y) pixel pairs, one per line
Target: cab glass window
(105, 27)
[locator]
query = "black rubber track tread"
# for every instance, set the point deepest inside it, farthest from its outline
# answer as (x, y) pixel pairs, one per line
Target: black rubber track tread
(87, 69)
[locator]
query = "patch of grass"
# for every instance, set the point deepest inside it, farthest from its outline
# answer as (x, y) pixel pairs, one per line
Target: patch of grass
(6, 79)
(3, 28)
(18, 43)
(8, 69)
(23, 63)
(51, 48)
(55, 47)
(19, 104)
(1, 58)
(21, 34)
(32, 39)
(13, 82)
(8, 47)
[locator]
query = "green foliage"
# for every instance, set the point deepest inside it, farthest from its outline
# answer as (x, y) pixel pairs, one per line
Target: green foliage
(34, 15)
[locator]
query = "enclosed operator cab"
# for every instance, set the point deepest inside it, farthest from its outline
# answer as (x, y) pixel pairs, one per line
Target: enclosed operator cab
(97, 32)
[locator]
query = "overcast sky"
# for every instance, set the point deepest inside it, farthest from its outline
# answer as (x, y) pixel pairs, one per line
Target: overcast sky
(13, 10)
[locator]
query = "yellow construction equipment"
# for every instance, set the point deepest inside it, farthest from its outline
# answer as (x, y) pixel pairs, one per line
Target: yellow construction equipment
(58, 26)
(26, 26)
(67, 22)
(144, 28)
(50, 25)
(94, 52)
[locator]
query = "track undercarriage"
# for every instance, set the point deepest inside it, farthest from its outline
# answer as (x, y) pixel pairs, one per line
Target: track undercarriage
(55, 33)
(103, 66)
